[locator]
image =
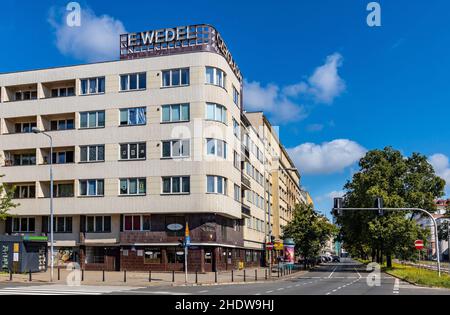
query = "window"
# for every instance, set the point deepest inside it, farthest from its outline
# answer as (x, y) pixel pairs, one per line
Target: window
(24, 159)
(60, 224)
(92, 188)
(64, 157)
(63, 191)
(133, 187)
(58, 125)
(25, 95)
(237, 193)
(25, 192)
(98, 224)
(63, 92)
(175, 256)
(136, 223)
(93, 153)
(176, 149)
(92, 120)
(152, 256)
(133, 151)
(175, 113)
(25, 127)
(135, 81)
(216, 112)
(23, 225)
(237, 160)
(133, 116)
(236, 97)
(217, 185)
(236, 129)
(215, 76)
(175, 77)
(176, 185)
(217, 148)
(93, 86)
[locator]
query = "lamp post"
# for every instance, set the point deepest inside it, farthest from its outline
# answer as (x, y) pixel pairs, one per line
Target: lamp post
(338, 206)
(38, 131)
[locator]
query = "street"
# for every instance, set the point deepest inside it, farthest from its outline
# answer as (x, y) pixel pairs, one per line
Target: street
(345, 278)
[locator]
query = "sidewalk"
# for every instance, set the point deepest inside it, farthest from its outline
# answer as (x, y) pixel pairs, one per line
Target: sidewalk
(142, 279)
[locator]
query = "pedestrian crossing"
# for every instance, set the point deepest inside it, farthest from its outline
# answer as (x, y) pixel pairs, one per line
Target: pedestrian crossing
(64, 290)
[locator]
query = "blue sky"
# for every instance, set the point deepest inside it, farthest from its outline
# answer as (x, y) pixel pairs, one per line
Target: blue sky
(335, 86)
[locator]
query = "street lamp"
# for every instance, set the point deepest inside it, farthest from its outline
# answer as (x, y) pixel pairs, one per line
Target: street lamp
(38, 131)
(338, 208)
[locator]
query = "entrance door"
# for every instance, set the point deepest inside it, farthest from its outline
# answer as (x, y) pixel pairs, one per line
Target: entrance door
(209, 260)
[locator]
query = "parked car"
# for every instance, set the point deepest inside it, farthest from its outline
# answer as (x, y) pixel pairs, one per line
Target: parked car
(336, 259)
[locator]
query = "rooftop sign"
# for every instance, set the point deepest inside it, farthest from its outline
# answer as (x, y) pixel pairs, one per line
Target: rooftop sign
(181, 39)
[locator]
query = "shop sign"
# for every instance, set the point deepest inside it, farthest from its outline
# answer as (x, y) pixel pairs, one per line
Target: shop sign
(175, 227)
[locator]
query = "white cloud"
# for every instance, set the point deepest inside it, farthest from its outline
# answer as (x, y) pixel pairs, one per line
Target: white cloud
(441, 165)
(327, 158)
(282, 103)
(97, 39)
(325, 83)
(269, 99)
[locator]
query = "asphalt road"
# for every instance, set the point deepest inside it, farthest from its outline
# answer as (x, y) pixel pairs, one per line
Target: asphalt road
(345, 278)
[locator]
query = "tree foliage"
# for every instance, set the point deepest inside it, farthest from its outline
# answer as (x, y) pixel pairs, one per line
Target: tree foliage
(403, 182)
(309, 230)
(6, 204)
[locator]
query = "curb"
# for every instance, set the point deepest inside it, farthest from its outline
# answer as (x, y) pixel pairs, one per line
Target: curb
(237, 283)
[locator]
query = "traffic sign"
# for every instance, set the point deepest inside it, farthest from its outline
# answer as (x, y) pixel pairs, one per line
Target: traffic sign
(269, 246)
(419, 245)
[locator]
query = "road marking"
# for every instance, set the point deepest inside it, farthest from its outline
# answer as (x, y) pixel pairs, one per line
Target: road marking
(397, 286)
(329, 277)
(268, 292)
(204, 291)
(280, 289)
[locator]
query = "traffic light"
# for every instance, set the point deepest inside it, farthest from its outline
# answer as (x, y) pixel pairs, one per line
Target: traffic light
(338, 206)
(379, 204)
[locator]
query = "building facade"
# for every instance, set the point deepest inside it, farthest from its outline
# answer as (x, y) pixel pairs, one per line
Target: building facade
(142, 147)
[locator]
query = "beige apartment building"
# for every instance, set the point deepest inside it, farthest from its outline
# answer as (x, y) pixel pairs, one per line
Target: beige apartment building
(143, 147)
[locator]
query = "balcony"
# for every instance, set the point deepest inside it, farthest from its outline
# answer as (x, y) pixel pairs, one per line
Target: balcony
(24, 92)
(246, 183)
(61, 122)
(59, 89)
(20, 158)
(246, 211)
(19, 125)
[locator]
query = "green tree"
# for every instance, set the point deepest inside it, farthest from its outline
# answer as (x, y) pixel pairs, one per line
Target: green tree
(309, 230)
(6, 204)
(408, 182)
